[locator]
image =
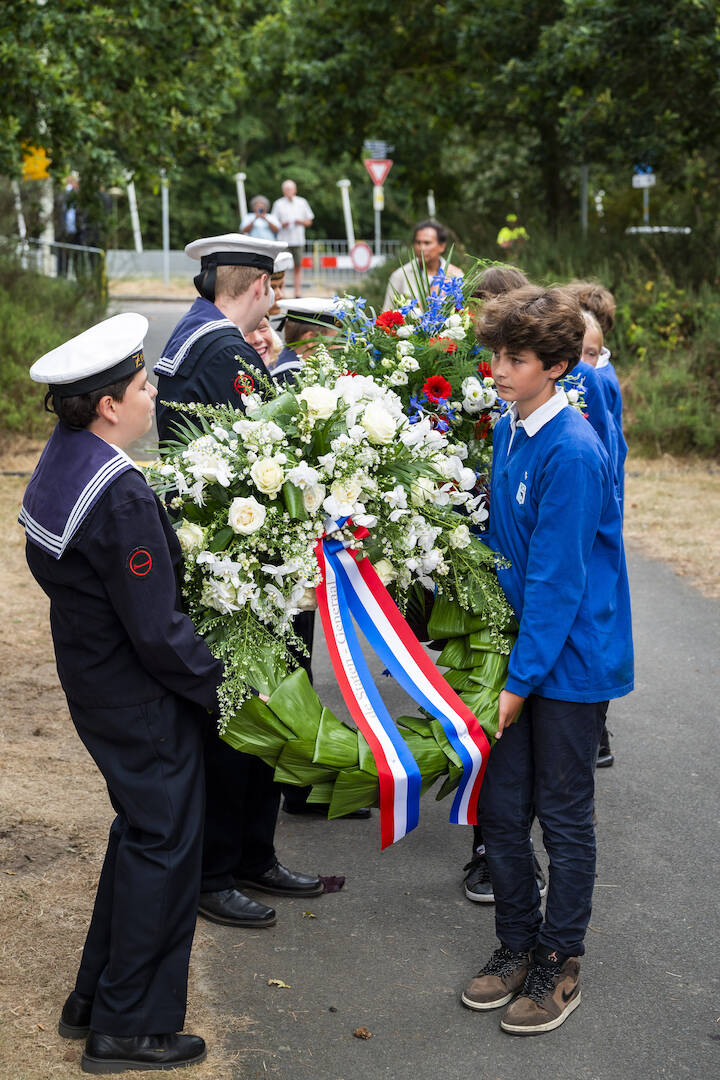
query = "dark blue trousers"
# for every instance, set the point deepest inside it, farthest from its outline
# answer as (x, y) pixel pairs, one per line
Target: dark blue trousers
(135, 960)
(543, 765)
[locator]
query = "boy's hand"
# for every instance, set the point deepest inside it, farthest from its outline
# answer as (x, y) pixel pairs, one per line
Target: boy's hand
(509, 708)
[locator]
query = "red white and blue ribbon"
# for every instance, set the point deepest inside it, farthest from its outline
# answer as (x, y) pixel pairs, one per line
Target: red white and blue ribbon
(351, 589)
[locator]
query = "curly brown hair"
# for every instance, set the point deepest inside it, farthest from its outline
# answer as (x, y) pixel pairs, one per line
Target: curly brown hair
(499, 279)
(597, 299)
(548, 321)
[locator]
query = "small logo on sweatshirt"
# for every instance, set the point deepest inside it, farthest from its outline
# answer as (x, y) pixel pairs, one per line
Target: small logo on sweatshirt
(520, 494)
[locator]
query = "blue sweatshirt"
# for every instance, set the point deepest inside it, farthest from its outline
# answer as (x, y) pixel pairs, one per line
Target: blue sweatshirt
(556, 518)
(613, 396)
(587, 379)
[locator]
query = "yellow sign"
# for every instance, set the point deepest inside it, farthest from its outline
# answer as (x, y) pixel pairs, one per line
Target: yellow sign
(36, 163)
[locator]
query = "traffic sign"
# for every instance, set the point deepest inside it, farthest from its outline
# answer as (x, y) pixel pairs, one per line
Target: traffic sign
(378, 198)
(641, 180)
(361, 256)
(378, 169)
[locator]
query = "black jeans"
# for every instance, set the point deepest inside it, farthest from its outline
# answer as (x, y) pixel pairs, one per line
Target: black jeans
(544, 766)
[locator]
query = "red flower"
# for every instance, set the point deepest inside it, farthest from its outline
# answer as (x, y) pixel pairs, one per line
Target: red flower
(485, 369)
(445, 343)
(389, 320)
(482, 427)
(437, 388)
(347, 371)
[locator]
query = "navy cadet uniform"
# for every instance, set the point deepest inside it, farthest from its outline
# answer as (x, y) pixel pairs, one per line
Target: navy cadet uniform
(199, 364)
(139, 683)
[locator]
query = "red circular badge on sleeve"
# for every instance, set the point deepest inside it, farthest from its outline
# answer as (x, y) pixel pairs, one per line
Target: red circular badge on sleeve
(244, 383)
(140, 562)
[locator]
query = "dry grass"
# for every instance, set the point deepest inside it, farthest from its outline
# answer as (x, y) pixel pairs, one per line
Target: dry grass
(55, 811)
(55, 815)
(672, 512)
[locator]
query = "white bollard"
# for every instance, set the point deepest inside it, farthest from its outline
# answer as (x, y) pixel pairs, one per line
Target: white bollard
(344, 186)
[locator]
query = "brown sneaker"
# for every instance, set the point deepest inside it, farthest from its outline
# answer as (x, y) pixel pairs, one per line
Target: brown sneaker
(548, 997)
(499, 981)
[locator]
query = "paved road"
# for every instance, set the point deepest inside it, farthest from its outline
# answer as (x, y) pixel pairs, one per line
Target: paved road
(392, 950)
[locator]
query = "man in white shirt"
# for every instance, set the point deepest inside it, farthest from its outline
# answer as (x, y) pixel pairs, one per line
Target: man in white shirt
(429, 243)
(295, 215)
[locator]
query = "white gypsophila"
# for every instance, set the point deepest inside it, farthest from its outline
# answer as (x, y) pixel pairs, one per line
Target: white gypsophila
(313, 497)
(379, 423)
(321, 401)
(246, 515)
(340, 443)
(268, 475)
(303, 475)
(191, 536)
(460, 537)
(385, 571)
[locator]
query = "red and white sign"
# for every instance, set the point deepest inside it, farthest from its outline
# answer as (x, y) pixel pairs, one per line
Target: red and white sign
(361, 256)
(378, 169)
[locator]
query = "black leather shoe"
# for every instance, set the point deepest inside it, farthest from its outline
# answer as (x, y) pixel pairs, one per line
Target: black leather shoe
(74, 1022)
(321, 810)
(114, 1054)
(230, 907)
(605, 758)
(280, 881)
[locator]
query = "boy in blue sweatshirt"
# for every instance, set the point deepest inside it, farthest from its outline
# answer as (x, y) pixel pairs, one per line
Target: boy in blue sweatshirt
(555, 518)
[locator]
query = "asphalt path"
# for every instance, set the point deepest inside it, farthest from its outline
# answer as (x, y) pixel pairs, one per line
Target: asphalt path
(392, 950)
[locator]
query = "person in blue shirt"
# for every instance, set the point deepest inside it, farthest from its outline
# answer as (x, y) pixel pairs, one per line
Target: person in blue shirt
(555, 520)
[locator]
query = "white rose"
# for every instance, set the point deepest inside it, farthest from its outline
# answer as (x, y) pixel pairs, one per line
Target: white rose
(346, 491)
(404, 331)
(246, 516)
(573, 396)
(459, 537)
(191, 536)
(268, 476)
(313, 497)
(398, 378)
(307, 601)
(379, 423)
(385, 571)
(321, 402)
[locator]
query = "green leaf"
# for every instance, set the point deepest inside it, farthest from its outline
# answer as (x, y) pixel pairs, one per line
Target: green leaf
(321, 793)
(457, 654)
(448, 620)
(255, 729)
(453, 779)
(296, 703)
(353, 789)
(460, 679)
(221, 539)
(418, 724)
(336, 743)
(366, 761)
(293, 499)
(490, 671)
(295, 764)
(482, 641)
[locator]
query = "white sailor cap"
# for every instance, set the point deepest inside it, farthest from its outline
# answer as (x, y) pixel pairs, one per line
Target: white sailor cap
(312, 309)
(283, 263)
(230, 249)
(98, 357)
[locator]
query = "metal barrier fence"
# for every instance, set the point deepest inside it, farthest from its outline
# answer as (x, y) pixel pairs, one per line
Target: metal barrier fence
(77, 262)
(324, 261)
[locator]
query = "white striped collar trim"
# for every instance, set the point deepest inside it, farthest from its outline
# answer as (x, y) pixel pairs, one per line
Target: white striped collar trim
(168, 365)
(56, 544)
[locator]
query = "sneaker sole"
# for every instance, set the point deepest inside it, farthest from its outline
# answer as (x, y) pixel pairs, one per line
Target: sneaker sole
(246, 924)
(481, 1006)
(517, 1029)
(479, 898)
(103, 1066)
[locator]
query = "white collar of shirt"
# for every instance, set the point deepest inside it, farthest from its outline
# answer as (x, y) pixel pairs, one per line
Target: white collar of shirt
(604, 358)
(539, 417)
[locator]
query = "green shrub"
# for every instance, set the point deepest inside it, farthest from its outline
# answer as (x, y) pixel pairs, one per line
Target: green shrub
(37, 314)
